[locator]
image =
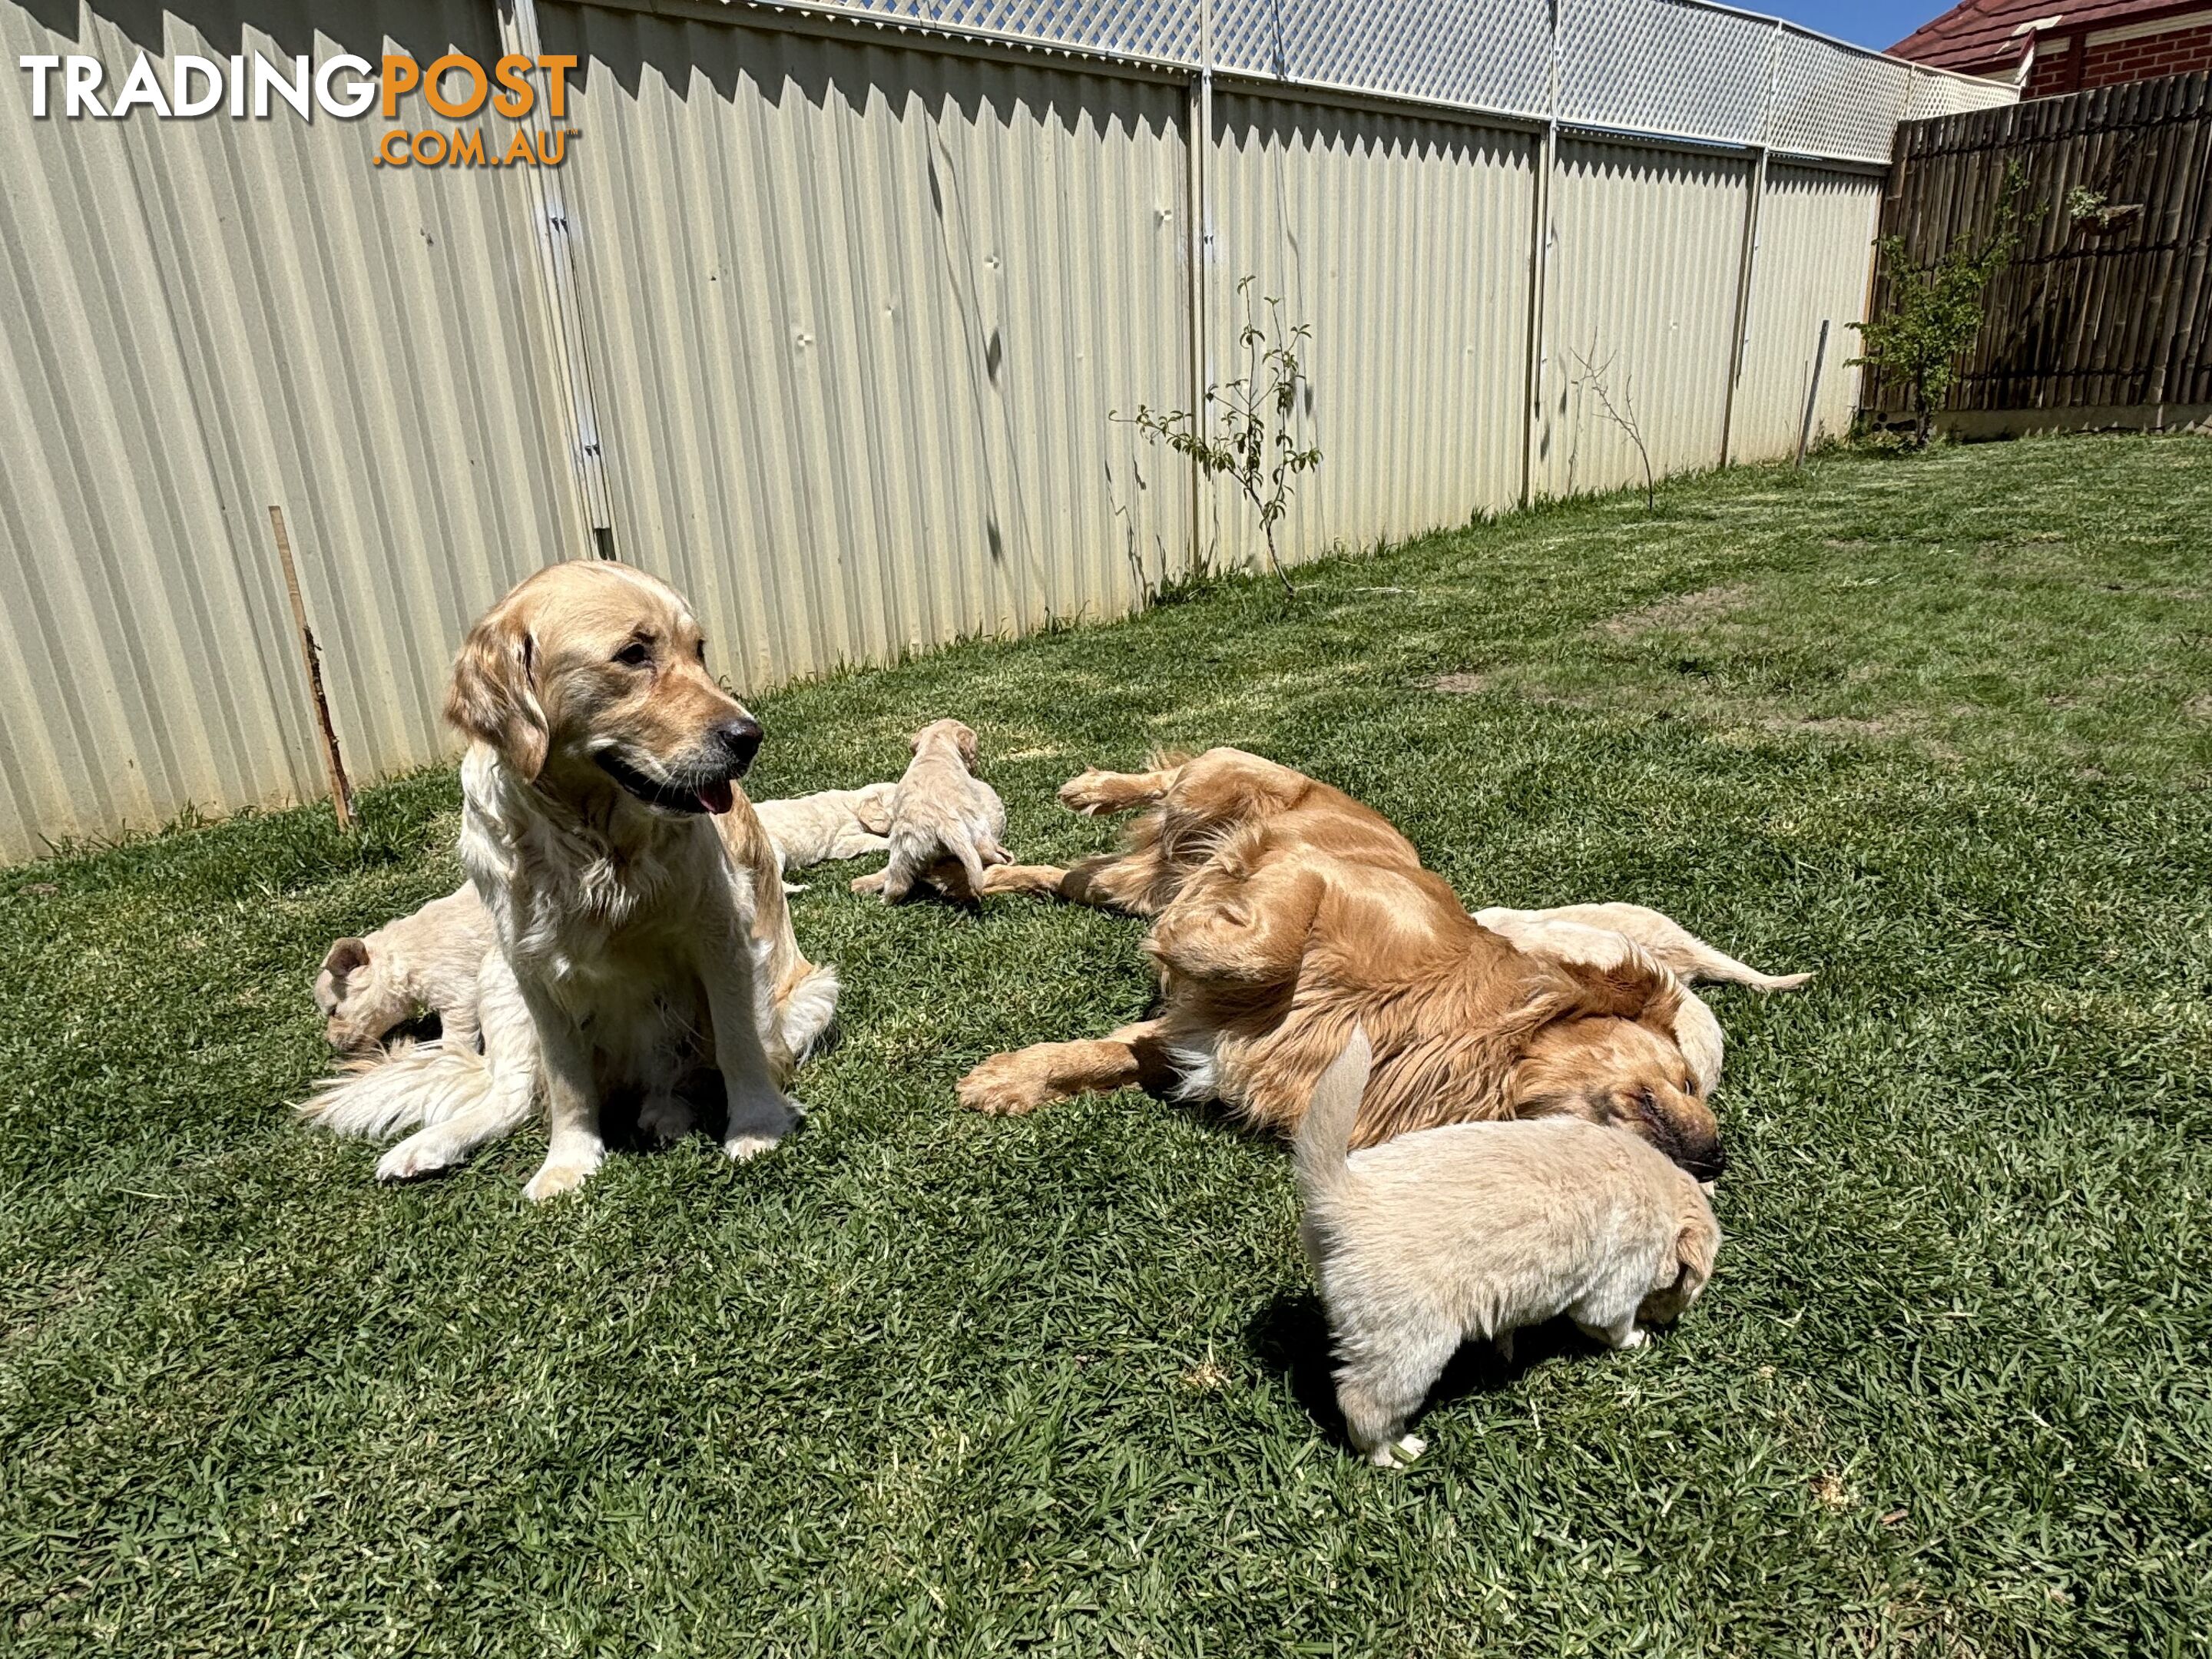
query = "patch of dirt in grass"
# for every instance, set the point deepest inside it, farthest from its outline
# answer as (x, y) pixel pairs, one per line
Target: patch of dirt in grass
(2199, 707)
(1679, 612)
(1458, 685)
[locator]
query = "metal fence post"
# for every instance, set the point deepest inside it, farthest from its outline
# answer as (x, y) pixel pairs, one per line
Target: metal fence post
(1198, 145)
(556, 272)
(1539, 273)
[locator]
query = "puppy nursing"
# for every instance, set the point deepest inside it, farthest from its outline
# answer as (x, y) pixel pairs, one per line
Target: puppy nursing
(947, 824)
(1284, 914)
(1475, 1230)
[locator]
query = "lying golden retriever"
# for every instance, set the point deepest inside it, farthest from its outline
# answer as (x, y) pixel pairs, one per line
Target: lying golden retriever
(1286, 915)
(637, 901)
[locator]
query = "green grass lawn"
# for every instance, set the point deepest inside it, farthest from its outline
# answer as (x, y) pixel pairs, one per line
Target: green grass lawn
(925, 1382)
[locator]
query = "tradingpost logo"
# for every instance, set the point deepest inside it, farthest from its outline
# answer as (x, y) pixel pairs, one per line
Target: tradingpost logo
(344, 87)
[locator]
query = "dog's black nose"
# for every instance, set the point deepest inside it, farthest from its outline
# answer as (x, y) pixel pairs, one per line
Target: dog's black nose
(739, 740)
(1710, 1163)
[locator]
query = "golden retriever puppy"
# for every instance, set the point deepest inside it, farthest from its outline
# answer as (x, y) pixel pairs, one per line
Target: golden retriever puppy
(636, 900)
(828, 825)
(1669, 944)
(946, 822)
(424, 963)
(1287, 914)
(1475, 1231)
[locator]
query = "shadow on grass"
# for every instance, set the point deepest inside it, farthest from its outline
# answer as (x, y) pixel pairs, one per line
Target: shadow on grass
(1290, 1337)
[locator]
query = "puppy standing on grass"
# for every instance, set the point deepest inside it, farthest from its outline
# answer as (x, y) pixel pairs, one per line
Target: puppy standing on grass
(1476, 1230)
(946, 822)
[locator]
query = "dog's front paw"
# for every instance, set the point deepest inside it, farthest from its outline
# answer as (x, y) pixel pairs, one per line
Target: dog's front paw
(1087, 793)
(758, 1125)
(1636, 1337)
(1003, 1086)
(563, 1175)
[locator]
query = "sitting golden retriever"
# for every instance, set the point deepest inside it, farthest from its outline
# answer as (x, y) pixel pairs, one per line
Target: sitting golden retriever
(1287, 915)
(637, 903)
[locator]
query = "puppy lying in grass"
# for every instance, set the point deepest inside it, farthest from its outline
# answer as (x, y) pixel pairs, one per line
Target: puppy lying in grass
(829, 825)
(946, 822)
(1669, 944)
(1476, 1230)
(424, 963)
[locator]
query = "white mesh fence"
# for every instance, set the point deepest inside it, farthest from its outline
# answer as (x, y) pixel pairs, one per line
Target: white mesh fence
(1676, 68)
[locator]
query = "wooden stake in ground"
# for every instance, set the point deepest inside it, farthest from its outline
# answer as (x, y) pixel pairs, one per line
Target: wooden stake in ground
(311, 658)
(1813, 393)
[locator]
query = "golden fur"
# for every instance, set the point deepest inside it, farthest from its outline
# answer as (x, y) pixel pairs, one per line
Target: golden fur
(1287, 914)
(642, 935)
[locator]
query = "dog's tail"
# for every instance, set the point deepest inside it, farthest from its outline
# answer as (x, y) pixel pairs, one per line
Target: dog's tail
(1322, 1148)
(1706, 963)
(415, 1085)
(804, 1009)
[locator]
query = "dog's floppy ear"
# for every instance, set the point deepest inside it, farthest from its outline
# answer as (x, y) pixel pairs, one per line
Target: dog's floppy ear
(1635, 988)
(493, 694)
(345, 958)
(970, 756)
(1695, 1247)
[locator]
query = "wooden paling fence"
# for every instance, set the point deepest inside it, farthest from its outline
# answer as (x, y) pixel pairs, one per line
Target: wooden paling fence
(2104, 316)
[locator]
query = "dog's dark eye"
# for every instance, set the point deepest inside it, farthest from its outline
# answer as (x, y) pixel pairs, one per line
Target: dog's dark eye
(700, 652)
(636, 654)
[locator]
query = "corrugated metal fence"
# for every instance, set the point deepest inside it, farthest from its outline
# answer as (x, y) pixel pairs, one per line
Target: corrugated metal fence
(824, 319)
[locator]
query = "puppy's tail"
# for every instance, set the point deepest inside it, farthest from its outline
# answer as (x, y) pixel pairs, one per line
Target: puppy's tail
(417, 1084)
(1726, 971)
(1322, 1148)
(805, 1010)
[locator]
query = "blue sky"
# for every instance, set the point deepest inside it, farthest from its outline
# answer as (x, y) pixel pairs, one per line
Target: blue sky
(1867, 22)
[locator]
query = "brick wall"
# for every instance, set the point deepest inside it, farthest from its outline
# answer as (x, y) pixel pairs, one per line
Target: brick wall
(2110, 63)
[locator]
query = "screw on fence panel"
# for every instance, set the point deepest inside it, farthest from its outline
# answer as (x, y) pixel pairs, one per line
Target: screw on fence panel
(311, 658)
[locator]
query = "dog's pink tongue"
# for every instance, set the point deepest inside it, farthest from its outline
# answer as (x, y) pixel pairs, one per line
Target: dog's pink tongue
(717, 797)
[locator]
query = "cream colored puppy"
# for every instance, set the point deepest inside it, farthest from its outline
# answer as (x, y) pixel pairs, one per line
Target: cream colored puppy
(946, 822)
(830, 824)
(1669, 944)
(426, 963)
(1475, 1230)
